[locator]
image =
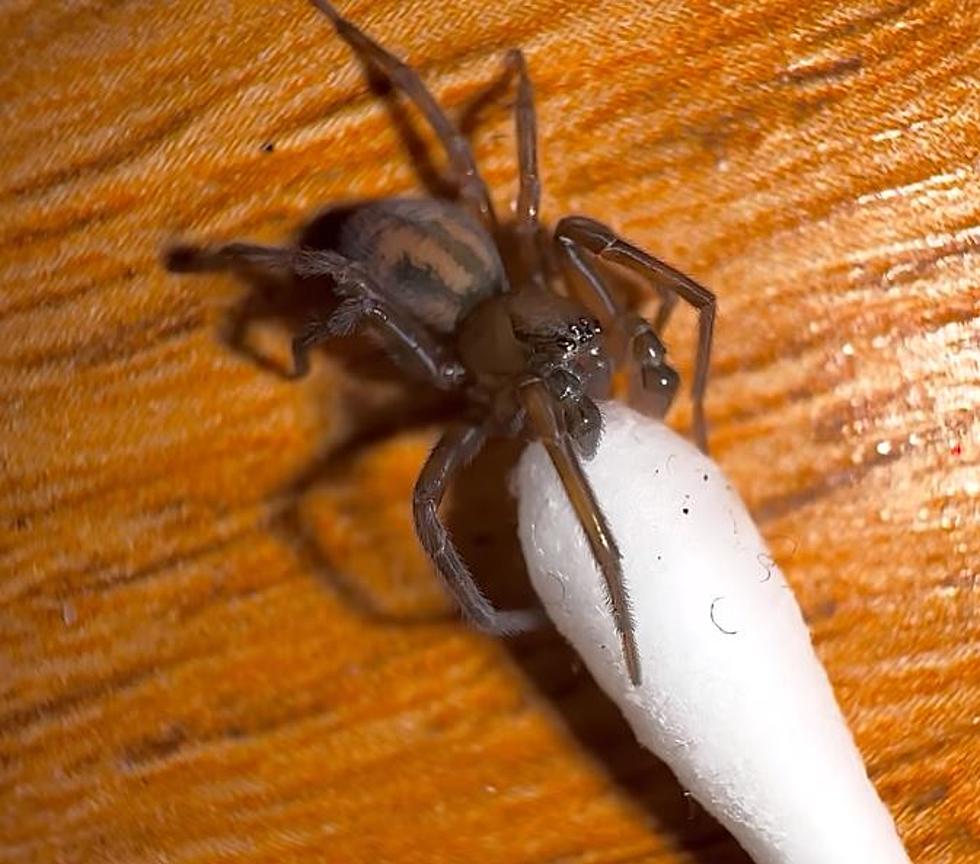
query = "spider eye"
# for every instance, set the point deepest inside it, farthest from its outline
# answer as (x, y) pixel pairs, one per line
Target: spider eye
(565, 344)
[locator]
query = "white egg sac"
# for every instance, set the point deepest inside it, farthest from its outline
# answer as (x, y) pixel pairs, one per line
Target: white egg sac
(733, 697)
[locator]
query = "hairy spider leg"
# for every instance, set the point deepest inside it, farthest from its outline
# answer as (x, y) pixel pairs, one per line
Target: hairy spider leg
(458, 446)
(549, 427)
(471, 186)
(529, 188)
(603, 242)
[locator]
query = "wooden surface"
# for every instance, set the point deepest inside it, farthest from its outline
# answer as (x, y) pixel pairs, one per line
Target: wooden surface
(219, 638)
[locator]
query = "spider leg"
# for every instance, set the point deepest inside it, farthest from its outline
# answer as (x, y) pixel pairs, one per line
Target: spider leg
(599, 299)
(529, 189)
(603, 242)
(547, 423)
(411, 343)
(471, 186)
(458, 446)
(653, 383)
(668, 300)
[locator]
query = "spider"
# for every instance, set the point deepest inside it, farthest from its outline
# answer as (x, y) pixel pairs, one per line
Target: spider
(525, 343)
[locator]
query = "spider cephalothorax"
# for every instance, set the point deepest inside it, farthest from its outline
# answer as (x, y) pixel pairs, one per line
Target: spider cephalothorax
(427, 276)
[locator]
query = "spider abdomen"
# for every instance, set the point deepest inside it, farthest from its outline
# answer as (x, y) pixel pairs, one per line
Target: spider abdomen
(430, 257)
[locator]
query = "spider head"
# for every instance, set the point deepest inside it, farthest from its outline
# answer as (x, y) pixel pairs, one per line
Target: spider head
(557, 334)
(563, 346)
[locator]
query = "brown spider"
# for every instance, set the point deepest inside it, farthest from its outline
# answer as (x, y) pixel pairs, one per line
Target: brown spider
(427, 276)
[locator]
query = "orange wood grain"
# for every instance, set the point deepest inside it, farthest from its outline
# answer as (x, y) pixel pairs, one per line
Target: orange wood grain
(219, 638)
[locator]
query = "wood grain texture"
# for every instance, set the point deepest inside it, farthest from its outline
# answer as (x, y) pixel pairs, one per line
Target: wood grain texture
(219, 638)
